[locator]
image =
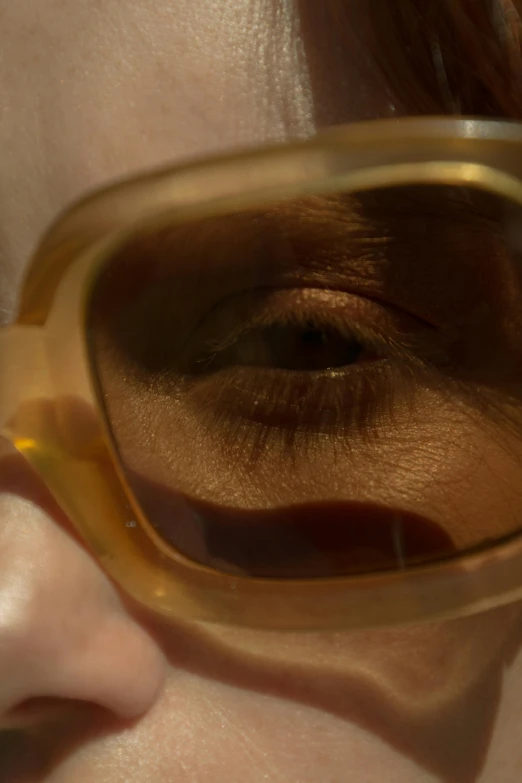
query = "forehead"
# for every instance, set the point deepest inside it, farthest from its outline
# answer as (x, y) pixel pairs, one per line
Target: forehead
(92, 91)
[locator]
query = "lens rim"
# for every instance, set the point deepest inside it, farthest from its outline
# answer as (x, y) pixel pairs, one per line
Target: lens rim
(39, 401)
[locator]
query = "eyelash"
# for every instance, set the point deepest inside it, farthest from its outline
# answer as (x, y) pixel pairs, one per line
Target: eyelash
(256, 409)
(369, 338)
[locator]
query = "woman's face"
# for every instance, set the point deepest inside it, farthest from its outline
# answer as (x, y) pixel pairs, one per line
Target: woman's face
(91, 687)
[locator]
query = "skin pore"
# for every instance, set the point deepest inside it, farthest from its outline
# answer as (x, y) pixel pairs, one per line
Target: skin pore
(93, 91)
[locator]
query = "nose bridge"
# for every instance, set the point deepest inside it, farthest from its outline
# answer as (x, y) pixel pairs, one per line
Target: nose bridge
(64, 632)
(25, 626)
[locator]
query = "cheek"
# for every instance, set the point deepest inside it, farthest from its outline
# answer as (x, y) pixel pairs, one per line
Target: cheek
(310, 705)
(460, 468)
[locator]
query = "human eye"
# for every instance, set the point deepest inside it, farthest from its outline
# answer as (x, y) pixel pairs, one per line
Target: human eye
(278, 369)
(299, 364)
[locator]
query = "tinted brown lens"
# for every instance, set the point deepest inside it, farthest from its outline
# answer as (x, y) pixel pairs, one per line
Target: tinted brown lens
(320, 387)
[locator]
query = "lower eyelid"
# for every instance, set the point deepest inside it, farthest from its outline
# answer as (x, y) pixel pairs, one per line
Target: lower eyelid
(238, 401)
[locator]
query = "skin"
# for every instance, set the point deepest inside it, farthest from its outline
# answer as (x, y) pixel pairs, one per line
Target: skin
(92, 91)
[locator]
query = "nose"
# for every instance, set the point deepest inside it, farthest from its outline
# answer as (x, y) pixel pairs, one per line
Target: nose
(65, 632)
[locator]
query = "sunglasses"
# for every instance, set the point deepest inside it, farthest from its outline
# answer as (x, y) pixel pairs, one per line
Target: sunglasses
(230, 375)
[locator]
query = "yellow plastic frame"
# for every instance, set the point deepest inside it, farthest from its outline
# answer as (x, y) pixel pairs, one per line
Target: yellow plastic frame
(50, 411)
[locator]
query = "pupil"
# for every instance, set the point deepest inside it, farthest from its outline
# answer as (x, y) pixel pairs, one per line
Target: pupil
(314, 337)
(311, 349)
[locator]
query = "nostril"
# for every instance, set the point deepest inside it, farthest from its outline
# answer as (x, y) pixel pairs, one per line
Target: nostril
(22, 759)
(33, 712)
(104, 659)
(37, 734)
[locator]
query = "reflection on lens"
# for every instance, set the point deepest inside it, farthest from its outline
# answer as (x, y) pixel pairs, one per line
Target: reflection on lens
(319, 387)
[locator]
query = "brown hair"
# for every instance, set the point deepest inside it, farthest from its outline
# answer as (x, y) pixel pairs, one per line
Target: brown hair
(446, 56)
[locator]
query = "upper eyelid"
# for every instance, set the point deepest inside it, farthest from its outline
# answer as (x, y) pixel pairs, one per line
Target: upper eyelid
(387, 339)
(346, 328)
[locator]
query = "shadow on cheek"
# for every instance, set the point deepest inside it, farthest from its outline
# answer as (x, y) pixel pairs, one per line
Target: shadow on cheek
(307, 540)
(430, 692)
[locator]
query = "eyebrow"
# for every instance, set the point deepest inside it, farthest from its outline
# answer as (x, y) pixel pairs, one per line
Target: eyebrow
(434, 254)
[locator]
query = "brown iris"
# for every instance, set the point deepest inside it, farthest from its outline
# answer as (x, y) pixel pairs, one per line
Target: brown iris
(304, 348)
